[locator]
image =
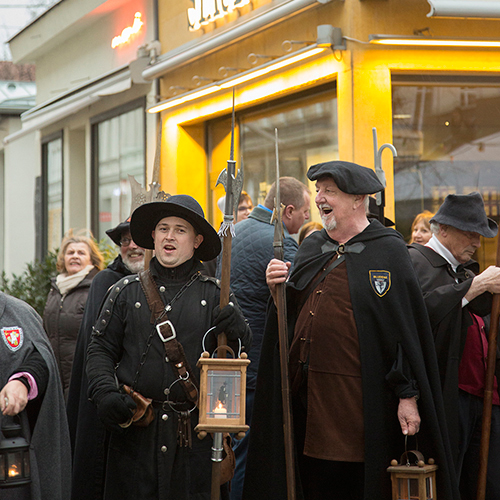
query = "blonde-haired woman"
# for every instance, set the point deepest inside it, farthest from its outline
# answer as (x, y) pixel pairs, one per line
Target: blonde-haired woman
(421, 228)
(78, 261)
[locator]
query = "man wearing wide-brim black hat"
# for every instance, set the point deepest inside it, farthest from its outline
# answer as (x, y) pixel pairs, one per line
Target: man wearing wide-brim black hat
(459, 300)
(149, 339)
(88, 434)
(361, 352)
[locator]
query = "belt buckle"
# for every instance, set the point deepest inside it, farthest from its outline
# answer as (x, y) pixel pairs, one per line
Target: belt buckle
(172, 329)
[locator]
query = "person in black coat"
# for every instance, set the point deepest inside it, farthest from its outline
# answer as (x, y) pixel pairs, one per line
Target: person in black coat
(459, 299)
(159, 461)
(88, 434)
(360, 355)
(78, 262)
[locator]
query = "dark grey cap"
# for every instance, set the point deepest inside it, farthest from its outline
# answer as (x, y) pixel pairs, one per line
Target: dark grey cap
(466, 212)
(351, 178)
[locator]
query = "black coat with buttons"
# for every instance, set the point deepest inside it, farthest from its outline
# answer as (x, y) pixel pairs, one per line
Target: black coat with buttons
(449, 320)
(146, 462)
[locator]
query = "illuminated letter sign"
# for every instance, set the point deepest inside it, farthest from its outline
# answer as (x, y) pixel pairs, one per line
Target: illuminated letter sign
(207, 11)
(128, 32)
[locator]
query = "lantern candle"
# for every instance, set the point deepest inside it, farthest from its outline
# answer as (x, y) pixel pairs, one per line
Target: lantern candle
(220, 411)
(13, 472)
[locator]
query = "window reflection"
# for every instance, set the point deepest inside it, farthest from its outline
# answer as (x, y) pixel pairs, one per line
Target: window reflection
(120, 154)
(52, 152)
(448, 141)
(307, 131)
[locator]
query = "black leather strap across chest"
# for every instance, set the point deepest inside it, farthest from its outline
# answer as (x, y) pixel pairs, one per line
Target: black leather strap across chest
(166, 331)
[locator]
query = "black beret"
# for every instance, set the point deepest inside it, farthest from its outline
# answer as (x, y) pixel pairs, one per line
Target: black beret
(349, 177)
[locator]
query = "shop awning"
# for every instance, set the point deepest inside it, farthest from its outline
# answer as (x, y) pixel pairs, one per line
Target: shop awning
(260, 19)
(482, 9)
(71, 102)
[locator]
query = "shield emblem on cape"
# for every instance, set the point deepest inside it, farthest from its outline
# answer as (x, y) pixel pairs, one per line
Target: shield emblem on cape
(380, 281)
(13, 336)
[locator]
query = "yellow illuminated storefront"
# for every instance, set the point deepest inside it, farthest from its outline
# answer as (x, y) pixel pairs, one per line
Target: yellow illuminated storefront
(317, 72)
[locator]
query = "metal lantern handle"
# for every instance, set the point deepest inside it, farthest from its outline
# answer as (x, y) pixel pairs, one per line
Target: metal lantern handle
(225, 346)
(405, 458)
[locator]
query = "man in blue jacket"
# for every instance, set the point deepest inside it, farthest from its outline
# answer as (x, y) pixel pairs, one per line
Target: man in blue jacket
(252, 249)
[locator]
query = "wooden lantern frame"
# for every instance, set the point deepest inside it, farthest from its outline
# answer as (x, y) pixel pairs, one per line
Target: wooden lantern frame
(211, 424)
(424, 475)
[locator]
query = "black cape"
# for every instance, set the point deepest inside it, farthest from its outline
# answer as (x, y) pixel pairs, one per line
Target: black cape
(385, 324)
(449, 321)
(88, 434)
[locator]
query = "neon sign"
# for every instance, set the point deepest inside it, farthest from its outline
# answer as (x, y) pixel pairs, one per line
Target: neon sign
(125, 35)
(207, 11)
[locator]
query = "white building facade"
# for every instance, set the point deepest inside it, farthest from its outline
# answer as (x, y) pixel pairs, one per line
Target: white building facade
(67, 167)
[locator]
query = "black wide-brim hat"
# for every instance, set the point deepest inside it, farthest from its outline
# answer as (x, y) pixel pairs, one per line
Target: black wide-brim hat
(116, 233)
(146, 217)
(351, 178)
(466, 212)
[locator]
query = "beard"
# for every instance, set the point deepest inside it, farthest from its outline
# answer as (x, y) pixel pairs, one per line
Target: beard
(329, 222)
(135, 266)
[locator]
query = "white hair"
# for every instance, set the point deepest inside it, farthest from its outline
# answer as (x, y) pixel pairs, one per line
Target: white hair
(435, 227)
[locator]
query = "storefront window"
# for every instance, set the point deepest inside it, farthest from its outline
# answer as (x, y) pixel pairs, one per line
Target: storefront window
(447, 136)
(53, 192)
(307, 131)
(119, 146)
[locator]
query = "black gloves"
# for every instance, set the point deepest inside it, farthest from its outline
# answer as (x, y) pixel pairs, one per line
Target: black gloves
(230, 321)
(115, 409)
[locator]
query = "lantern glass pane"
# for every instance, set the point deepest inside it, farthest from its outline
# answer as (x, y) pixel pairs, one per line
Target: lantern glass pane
(428, 488)
(224, 394)
(2, 467)
(14, 464)
(27, 471)
(408, 489)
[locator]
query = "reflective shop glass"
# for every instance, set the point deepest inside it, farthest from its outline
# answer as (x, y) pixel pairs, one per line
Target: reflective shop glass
(308, 134)
(54, 193)
(120, 146)
(447, 134)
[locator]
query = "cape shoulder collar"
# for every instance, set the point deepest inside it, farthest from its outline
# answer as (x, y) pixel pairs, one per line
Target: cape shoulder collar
(435, 260)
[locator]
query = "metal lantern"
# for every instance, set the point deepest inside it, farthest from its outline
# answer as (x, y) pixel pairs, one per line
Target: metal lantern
(413, 480)
(14, 457)
(222, 394)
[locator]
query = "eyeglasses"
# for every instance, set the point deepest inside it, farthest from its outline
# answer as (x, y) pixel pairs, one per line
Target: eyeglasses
(125, 242)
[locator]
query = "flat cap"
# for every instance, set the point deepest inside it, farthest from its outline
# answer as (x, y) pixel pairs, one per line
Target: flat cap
(349, 177)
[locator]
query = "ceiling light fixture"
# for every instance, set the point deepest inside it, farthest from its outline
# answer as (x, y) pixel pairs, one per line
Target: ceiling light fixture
(418, 41)
(328, 37)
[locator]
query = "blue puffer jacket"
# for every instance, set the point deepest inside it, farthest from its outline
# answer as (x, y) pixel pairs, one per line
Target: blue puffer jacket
(252, 249)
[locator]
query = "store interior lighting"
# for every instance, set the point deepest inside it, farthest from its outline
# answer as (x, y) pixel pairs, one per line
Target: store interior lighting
(419, 41)
(328, 37)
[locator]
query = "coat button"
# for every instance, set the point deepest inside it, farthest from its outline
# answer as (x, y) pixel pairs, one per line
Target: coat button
(164, 417)
(137, 305)
(125, 282)
(164, 449)
(203, 302)
(162, 289)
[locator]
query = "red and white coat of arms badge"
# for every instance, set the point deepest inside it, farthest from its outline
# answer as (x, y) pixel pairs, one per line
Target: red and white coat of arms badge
(13, 336)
